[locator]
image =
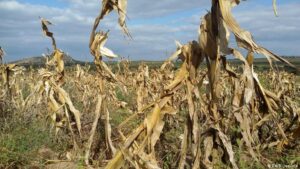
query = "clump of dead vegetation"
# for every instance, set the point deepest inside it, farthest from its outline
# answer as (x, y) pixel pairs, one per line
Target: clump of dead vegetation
(191, 117)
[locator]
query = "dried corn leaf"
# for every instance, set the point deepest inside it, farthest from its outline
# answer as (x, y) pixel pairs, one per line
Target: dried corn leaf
(97, 46)
(244, 38)
(192, 54)
(245, 126)
(184, 148)
(207, 42)
(117, 162)
(249, 83)
(154, 120)
(122, 10)
(224, 35)
(227, 144)
(159, 123)
(46, 32)
(106, 69)
(66, 98)
(181, 75)
(108, 133)
(58, 60)
(45, 24)
(228, 68)
(121, 7)
(93, 130)
(262, 93)
(171, 58)
(54, 107)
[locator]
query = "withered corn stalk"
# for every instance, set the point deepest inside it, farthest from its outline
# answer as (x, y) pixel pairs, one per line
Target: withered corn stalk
(98, 50)
(8, 73)
(249, 102)
(59, 102)
(214, 109)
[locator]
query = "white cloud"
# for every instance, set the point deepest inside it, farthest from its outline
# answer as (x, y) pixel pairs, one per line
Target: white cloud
(154, 26)
(11, 5)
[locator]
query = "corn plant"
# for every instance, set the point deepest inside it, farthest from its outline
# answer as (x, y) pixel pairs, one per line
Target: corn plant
(58, 99)
(206, 113)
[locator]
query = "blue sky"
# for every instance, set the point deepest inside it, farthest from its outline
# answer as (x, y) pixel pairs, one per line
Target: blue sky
(155, 25)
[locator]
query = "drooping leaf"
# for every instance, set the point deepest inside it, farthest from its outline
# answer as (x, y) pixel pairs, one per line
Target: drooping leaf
(121, 7)
(46, 32)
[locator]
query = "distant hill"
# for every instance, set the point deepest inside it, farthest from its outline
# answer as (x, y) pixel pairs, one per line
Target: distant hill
(38, 61)
(259, 63)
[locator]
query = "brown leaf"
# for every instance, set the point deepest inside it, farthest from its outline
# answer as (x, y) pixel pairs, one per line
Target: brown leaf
(227, 144)
(46, 32)
(181, 75)
(93, 130)
(71, 107)
(244, 38)
(121, 7)
(108, 133)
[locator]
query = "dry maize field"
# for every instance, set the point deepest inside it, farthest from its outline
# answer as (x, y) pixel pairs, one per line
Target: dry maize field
(206, 113)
